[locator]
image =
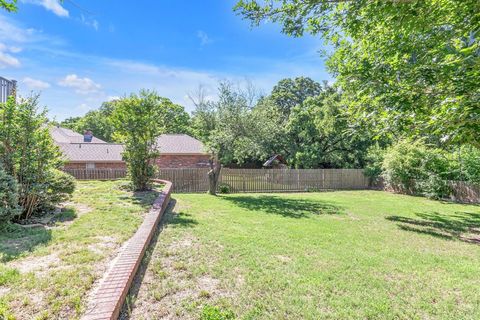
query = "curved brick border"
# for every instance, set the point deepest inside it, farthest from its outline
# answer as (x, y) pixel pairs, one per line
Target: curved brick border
(106, 302)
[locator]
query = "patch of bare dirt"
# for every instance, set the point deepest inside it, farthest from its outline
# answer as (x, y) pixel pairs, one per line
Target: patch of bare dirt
(36, 264)
(103, 245)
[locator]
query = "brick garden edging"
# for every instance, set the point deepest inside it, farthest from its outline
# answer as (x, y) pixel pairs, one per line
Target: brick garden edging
(106, 302)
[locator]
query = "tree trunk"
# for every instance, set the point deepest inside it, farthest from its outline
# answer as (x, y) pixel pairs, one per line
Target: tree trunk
(214, 175)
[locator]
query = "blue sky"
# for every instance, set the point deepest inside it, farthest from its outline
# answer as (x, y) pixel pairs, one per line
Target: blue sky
(80, 53)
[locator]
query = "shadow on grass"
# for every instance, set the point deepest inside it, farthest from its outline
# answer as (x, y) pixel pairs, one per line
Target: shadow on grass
(463, 226)
(15, 240)
(286, 207)
(170, 217)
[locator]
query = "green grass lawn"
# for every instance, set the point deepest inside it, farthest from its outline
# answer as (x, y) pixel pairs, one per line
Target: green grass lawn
(45, 273)
(332, 255)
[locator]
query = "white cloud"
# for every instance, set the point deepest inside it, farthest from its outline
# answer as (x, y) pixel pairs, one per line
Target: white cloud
(51, 5)
(6, 59)
(9, 31)
(81, 85)
(35, 83)
(204, 38)
(92, 23)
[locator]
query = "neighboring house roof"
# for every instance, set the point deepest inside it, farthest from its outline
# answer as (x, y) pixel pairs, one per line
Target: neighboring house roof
(92, 152)
(180, 144)
(64, 135)
(75, 149)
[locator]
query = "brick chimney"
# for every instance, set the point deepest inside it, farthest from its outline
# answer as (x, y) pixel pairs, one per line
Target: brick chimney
(87, 136)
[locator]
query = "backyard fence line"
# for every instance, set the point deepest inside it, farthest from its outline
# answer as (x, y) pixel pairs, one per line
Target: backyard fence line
(245, 180)
(195, 180)
(97, 174)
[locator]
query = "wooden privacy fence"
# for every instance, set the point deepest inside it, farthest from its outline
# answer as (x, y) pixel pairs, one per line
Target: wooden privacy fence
(267, 180)
(97, 174)
(246, 180)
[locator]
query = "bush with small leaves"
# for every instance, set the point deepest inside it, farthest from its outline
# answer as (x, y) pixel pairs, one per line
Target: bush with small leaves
(8, 198)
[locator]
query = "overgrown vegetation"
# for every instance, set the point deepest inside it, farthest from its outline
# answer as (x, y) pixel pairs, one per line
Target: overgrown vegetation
(29, 156)
(416, 167)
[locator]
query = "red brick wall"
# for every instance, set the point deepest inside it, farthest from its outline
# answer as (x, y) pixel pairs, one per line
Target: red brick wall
(98, 165)
(183, 161)
(164, 161)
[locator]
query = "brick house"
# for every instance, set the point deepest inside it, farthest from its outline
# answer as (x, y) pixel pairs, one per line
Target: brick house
(88, 152)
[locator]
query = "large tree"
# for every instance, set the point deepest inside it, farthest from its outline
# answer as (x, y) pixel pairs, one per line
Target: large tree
(409, 65)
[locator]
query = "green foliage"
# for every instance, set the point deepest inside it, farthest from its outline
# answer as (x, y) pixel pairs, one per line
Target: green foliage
(10, 6)
(98, 121)
(288, 93)
(319, 134)
(137, 121)
(58, 188)
(8, 197)
(215, 313)
(373, 162)
(224, 188)
(232, 136)
(28, 154)
(415, 167)
(469, 164)
(172, 117)
(405, 66)
(434, 186)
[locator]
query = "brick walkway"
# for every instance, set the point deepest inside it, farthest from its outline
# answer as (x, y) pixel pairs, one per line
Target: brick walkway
(106, 302)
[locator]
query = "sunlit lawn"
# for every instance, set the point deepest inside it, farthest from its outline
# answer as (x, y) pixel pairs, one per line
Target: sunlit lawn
(332, 255)
(45, 273)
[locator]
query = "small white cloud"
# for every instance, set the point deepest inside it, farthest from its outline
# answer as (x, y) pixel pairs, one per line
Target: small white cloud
(7, 60)
(92, 23)
(53, 6)
(81, 85)
(204, 38)
(35, 83)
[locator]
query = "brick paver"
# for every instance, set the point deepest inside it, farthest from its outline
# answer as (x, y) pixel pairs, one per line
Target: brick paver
(106, 302)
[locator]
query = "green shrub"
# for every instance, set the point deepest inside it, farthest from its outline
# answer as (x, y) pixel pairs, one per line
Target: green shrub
(224, 188)
(58, 188)
(469, 164)
(8, 198)
(407, 163)
(434, 187)
(374, 160)
(215, 313)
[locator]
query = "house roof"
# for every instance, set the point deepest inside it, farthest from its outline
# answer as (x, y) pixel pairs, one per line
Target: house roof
(180, 144)
(92, 152)
(76, 150)
(64, 135)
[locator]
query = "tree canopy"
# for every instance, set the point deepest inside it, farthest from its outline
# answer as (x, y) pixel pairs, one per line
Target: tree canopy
(410, 66)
